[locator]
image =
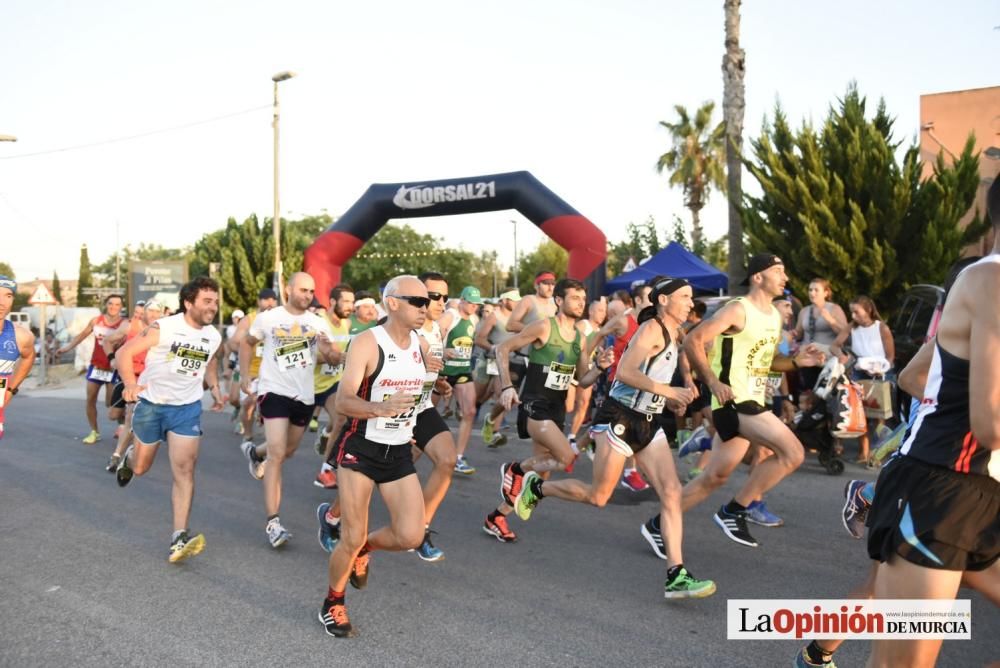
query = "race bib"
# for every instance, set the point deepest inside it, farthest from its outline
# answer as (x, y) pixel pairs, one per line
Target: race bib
(295, 355)
(491, 368)
(258, 350)
(189, 362)
(652, 404)
(436, 350)
(463, 352)
(758, 381)
(426, 391)
(101, 375)
(3, 391)
(404, 420)
(332, 370)
(559, 376)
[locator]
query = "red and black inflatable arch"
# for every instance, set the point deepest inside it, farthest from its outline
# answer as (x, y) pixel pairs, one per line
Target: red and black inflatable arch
(382, 202)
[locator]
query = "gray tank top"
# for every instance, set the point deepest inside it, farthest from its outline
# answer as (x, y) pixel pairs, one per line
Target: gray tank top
(816, 328)
(537, 312)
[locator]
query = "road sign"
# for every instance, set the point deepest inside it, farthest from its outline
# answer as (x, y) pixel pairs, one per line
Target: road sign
(41, 296)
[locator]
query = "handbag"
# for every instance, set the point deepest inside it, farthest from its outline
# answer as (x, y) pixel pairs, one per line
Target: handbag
(877, 398)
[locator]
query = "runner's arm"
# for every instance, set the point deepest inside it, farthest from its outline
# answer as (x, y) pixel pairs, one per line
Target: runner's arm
(362, 357)
(984, 363)
(148, 338)
(647, 342)
(730, 317)
(483, 331)
(604, 361)
(26, 347)
(516, 321)
(913, 379)
(536, 331)
(78, 338)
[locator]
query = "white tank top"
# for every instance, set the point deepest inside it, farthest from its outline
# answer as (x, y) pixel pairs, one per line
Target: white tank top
(399, 369)
(436, 349)
(176, 366)
(867, 341)
(660, 369)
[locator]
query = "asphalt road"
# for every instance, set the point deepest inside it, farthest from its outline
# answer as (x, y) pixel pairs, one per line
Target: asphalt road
(84, 578)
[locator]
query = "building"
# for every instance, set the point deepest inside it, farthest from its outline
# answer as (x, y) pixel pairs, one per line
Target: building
(946, 119)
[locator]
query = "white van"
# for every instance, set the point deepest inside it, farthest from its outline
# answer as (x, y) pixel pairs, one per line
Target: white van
(20, 319)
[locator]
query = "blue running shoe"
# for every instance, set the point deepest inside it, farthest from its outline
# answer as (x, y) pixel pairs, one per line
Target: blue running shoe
(758, 513)
(427, 551)
(855, 510)
(699, 441)
(328, 534)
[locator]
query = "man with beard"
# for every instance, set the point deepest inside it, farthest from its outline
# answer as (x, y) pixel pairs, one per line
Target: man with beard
(327, 377)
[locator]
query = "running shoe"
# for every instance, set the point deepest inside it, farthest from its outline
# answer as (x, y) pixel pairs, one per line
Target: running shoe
(499, 529)
(510, 483)
(855, 510)
(572, 444)
(462, 466)
(320, 444)
(314, 425)
(255, 463)
(427, 551)
(527, 499)
(498, 440)
(183, 547)
(651, 532)
(333, 617)
(327, 479)
(91, 438)
(487, 431)
(758, 513)
(276, 534)
(123, 474)
(112, 463)
(633, 480)
(734, 525)
(685, 585)
(699, 441)
(360, 570)
(328, 534)
(591, 450)
(238, 428)
(693, 473)
(802, 661)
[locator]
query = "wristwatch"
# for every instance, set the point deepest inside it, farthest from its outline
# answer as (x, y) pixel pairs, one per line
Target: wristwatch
(12, 390)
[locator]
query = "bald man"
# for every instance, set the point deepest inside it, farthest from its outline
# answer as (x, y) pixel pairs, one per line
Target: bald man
(294, 340)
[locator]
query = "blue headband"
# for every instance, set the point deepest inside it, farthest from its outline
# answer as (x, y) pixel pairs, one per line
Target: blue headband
(8, 283)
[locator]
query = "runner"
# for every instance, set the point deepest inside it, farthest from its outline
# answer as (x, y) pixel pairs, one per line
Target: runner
(293, 338)
(232, 370)
(117, 404)
(365, 314)
(266, 300)
(430, 433)
(99, 373)
(597, 313)
(151, 312)
(17, 349)
(556, 358)
(327, 376)
(746, 334)
(458, 368)
(179, 362)
(532, 308)
(492, 332)
(383, 382)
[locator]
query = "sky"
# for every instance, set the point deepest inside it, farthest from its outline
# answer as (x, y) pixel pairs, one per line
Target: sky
(406, 92)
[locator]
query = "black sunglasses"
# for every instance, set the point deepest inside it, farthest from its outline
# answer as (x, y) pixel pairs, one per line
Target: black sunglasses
(418, 302)
(437, 296)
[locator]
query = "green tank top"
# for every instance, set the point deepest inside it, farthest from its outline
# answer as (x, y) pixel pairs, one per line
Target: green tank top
(743, 361)
(459, 341)
(552, 367)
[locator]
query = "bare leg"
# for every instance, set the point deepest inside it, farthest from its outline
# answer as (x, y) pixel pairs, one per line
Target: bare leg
(282, 440)
(404, 501)
(465, 397)
(657, 464)
(608, 464)
(725, 458)
(768, 430)
(91, 408)
(355, 496)
(183, 452)
(441, 451)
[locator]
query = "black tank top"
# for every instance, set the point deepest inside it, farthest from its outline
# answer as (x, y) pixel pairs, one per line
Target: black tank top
(942, 434)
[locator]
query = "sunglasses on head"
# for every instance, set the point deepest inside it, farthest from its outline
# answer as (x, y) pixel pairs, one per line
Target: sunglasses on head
(418, 302)
(437, 297)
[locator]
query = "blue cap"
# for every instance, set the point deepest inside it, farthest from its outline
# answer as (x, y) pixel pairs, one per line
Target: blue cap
(9, 283)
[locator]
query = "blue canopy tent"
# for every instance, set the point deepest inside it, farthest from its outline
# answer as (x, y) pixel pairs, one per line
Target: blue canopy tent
(675, 261)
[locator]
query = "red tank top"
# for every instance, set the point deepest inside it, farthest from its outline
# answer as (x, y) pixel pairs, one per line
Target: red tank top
(102, 329)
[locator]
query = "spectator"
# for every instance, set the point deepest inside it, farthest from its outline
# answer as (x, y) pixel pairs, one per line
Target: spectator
(819, 323)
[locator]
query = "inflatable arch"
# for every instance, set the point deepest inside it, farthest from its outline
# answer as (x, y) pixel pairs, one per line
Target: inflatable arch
(586, 244)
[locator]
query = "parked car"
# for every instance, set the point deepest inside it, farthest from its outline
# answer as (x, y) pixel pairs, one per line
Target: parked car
(918, 308)
(20, 319)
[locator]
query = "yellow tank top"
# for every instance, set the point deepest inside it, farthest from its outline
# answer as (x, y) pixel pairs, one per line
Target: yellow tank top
(743, 361)
(258, 351)
(325, 375)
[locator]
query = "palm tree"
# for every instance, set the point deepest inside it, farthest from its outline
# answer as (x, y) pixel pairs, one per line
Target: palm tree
(733, 106)
(695, 161)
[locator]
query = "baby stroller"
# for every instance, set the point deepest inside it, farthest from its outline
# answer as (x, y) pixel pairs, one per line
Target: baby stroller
(836, 411)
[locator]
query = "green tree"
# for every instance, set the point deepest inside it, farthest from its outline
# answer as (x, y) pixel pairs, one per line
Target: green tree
(717, 254)
(85, 280)
(695, 161)
(7, 270)
(836, 203)
(733, 107)
(56, 287)
(641, 241)
(246, 254)
(680, 234)
(547, 256)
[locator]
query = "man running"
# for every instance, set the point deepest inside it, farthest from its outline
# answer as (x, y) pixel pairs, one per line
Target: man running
(293, 338)
(459, 334)
(746, 334)
(492, 331)
(266, 300)
(180, 352)
(327, 377)
(936, 515)
(556, 358)
(99, 373)
(365, 314)
(383, 382)
(17, 349)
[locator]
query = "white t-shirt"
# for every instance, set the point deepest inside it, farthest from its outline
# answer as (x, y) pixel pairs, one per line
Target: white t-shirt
(289, 356)
(176, 366)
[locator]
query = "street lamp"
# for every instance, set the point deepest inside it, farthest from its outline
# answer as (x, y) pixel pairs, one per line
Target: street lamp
(277, 78)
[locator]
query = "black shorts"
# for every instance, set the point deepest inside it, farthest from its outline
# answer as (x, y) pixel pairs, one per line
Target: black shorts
(377, 461)
(274, 406)
(934, 517)
(429, 424)
(703, 401)
(459, 379)
(727, 418)
(320, 399)
(118, 396)
(538, 408)
(628, 431)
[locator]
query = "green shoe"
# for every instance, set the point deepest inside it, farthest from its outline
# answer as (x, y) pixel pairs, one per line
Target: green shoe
(682, 435)
(487, 431)
(684, 585)
(91, 438)
(527, 499)
(313, 425)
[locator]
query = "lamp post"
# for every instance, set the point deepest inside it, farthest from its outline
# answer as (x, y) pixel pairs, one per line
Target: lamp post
(517, 282)
(277, 78)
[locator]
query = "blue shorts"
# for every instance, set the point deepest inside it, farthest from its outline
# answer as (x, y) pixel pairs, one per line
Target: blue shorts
(151, 422)
(102, 376)
(320, 399)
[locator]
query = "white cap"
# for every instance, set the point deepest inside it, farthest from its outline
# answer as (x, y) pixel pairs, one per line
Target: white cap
(238, 314)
